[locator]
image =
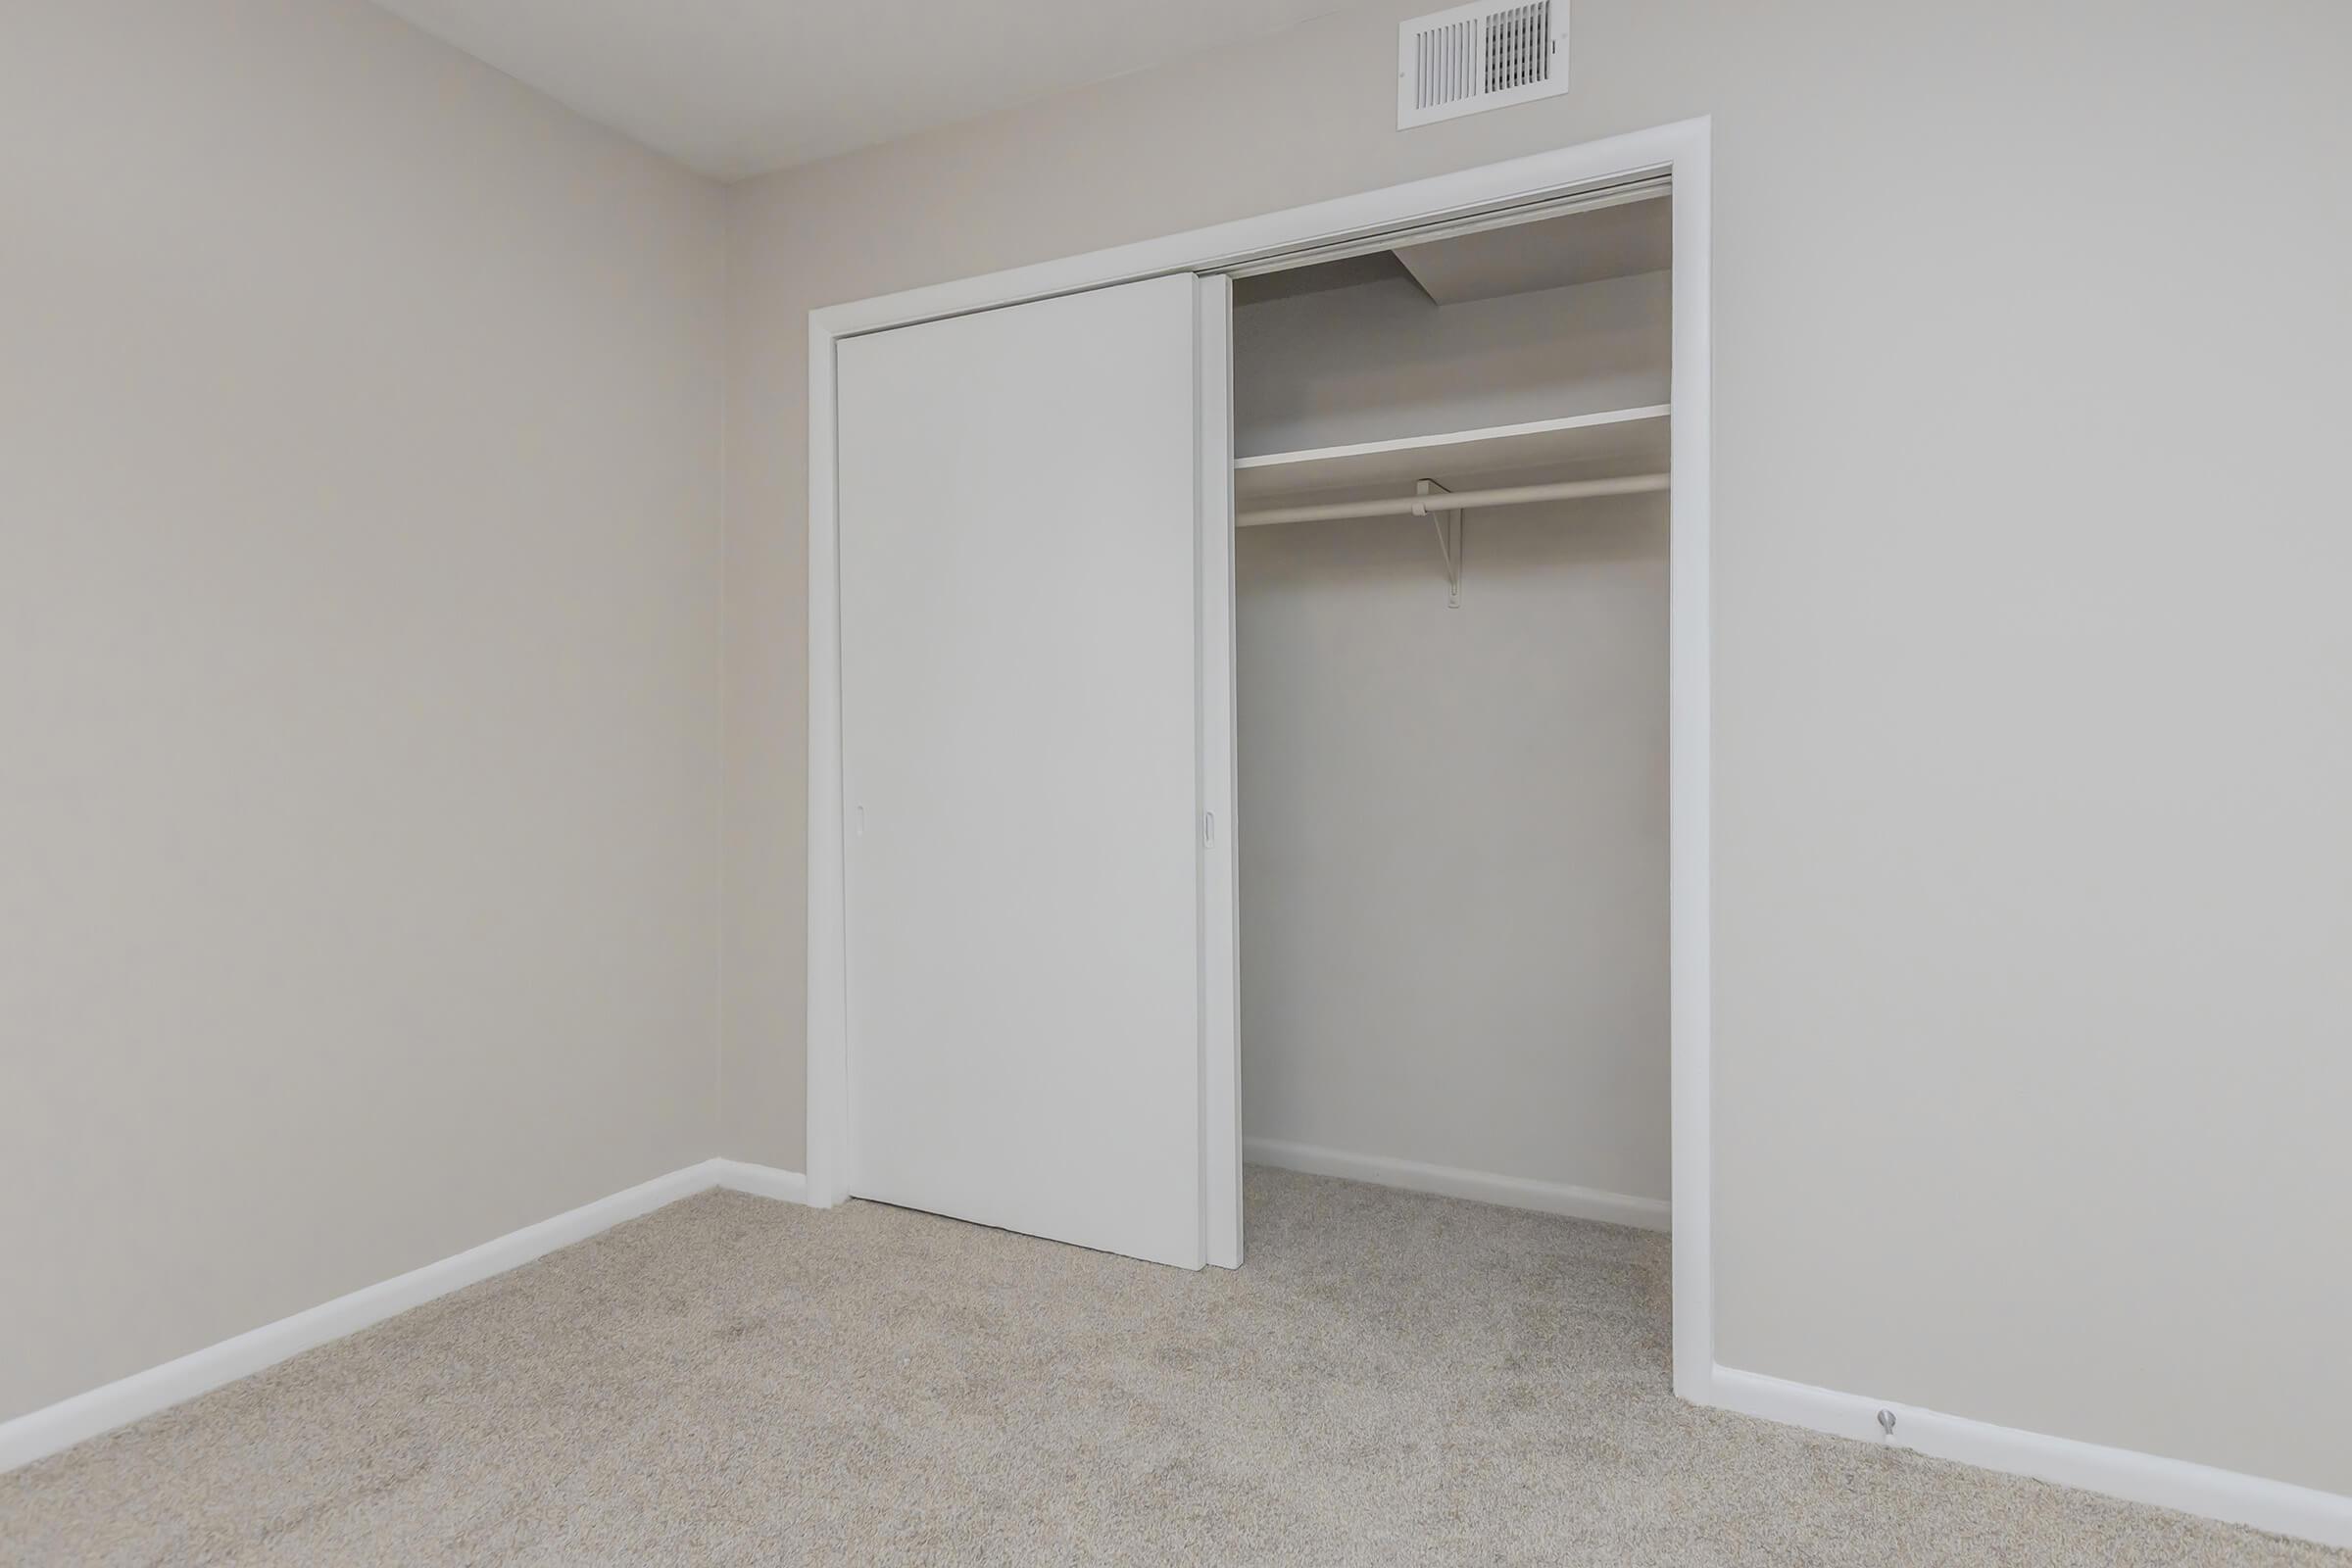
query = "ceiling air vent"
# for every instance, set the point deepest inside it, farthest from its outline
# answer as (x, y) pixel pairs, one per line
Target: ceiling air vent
(1478, 56)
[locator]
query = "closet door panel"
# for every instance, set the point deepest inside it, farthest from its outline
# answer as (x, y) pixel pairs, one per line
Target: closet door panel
(1018, 507)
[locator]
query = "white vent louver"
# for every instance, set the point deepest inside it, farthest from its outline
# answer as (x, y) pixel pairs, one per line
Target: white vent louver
(1478, 56)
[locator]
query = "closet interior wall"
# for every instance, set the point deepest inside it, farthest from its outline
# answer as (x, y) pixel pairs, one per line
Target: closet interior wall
(1454, 821)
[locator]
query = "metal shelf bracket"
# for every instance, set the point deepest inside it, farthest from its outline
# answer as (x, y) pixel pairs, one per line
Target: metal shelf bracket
(1450, 536)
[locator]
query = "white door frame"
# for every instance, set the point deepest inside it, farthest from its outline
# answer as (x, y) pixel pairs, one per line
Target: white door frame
(1679, 150)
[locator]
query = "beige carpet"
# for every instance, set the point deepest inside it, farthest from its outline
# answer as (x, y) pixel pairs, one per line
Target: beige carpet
(1393, 1379)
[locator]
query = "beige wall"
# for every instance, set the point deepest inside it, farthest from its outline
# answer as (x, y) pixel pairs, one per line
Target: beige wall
(2032, 740)
(360, 427)
(1453, 842)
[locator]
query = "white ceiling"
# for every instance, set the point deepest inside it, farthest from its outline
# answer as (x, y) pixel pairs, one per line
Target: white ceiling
(736, 87)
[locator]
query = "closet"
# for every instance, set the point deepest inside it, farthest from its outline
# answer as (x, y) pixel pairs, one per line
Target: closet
(1370, 544)
(1453, 712)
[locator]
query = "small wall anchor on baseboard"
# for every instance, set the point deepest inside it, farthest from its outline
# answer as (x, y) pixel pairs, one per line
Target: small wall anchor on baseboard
(1887, 1422)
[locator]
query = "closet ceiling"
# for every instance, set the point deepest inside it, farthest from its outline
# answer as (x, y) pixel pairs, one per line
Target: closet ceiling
(1580, 248)
(734, 88)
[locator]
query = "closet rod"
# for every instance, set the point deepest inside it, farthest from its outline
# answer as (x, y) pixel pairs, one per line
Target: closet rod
(1417, 506)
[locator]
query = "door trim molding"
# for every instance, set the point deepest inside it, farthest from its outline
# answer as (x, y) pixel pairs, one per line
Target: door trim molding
(1679, 151)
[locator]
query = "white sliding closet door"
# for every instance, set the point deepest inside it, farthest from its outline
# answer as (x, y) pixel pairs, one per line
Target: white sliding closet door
(1020, 500)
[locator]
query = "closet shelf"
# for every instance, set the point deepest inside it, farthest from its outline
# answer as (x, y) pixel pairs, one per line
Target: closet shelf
(1618, 441)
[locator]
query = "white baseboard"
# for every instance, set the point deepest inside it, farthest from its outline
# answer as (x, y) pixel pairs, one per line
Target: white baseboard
(2179, 1484)
(761, 1180)
(1511, 1192)
(44, 1432)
